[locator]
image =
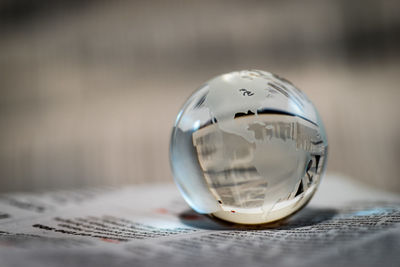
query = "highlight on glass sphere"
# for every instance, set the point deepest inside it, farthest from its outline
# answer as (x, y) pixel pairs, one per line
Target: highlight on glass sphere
(248, 147)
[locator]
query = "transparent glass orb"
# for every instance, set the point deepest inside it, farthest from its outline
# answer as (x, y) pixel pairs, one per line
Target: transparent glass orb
(248, 147)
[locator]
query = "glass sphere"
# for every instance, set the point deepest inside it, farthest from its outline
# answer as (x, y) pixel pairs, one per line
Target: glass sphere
(248, 147)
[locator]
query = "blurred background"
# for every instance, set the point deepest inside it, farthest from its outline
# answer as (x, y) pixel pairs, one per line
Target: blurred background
(90, 89)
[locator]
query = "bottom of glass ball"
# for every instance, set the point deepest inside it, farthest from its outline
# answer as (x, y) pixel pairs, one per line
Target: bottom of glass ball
(280, 211)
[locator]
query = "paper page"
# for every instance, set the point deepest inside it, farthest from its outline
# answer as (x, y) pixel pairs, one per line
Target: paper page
(344, 225)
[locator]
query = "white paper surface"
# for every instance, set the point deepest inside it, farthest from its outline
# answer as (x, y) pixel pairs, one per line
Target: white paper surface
(344, 225)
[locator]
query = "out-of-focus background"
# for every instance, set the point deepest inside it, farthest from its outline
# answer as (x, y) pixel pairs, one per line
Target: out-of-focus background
(90, 89)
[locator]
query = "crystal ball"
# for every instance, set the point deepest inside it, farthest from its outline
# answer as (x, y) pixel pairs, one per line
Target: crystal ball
(248, 147)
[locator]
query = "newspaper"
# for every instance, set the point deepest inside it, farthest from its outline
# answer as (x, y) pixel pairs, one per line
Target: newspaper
(345, 224)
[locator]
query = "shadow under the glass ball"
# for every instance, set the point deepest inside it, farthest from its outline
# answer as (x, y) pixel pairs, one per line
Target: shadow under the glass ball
(306, 217)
